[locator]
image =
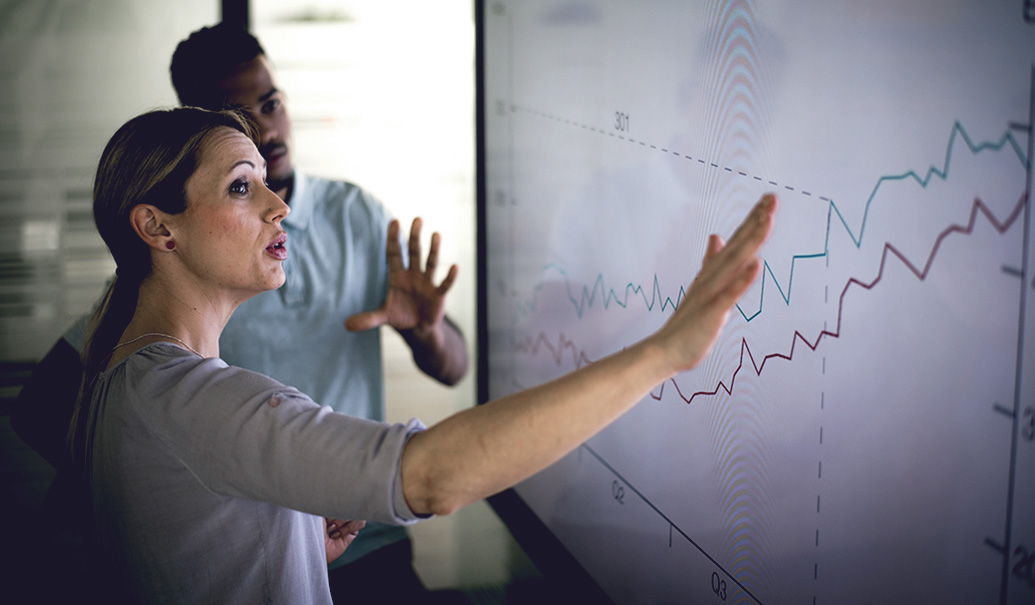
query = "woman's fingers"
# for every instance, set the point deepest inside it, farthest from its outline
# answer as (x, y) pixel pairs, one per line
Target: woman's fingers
(724, 263)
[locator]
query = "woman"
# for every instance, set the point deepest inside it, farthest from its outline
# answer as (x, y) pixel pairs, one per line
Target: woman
(199, 471)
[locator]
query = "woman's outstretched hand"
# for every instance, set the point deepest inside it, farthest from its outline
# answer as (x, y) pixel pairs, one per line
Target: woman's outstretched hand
(482, 450)
(728, 270)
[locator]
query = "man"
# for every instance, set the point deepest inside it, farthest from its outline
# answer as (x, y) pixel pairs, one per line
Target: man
(336, 271)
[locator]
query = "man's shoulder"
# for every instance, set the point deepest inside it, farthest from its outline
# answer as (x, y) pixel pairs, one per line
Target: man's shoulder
(339, 197)
(322, 189)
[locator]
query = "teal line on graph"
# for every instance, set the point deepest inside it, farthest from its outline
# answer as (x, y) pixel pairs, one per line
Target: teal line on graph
(589, 294)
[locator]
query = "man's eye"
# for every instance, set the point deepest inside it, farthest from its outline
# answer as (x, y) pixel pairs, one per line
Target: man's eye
(271, 106)
(239, 187)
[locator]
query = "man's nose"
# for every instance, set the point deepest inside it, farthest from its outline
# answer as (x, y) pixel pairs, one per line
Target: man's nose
(267, 130)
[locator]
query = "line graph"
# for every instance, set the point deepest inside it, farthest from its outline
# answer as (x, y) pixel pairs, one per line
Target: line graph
(588, 295)
(579, 358)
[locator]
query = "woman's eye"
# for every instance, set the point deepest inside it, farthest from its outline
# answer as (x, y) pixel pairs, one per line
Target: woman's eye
(239, 187)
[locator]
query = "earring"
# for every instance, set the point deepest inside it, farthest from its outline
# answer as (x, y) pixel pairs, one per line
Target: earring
(169, 245)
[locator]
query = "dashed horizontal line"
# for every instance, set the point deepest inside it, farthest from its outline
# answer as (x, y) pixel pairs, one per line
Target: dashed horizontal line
(701, 161)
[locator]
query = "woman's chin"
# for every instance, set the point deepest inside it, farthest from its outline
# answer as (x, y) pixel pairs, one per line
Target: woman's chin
(278, 279)
(272, 281)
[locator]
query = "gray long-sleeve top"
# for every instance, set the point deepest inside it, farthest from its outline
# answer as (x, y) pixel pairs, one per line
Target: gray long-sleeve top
(200, 469)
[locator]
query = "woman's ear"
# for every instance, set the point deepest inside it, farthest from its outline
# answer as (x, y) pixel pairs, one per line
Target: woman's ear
(150, 224)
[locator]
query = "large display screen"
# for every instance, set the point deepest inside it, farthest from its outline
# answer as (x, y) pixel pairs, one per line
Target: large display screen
(864, 429)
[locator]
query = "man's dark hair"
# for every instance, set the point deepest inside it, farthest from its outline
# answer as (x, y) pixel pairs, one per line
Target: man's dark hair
(207, 57)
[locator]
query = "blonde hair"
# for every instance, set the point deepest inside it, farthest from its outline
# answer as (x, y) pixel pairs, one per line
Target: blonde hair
(147, 161)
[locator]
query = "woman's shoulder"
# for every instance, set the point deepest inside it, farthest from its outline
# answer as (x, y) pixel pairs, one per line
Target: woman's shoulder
(165, 371)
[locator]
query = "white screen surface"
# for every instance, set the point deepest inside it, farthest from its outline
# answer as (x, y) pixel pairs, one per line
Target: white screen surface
(863, 430)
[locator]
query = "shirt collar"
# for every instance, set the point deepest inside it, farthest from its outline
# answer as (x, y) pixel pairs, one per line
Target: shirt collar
(301, 203)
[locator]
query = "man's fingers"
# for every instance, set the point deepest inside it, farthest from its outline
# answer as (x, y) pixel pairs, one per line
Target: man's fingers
(353, 527)
(447, 283)
(392, 249)
(432, 263)
(415, 243)
(338, 527)
(366, 320)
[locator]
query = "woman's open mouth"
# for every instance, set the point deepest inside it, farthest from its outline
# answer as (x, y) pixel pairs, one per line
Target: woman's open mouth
(278, 247)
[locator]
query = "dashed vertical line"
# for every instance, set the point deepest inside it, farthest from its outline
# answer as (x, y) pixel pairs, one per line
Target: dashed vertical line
(819, 491)
(819, 461)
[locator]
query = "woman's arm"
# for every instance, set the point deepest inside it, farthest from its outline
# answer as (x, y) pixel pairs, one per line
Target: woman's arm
(483, 450)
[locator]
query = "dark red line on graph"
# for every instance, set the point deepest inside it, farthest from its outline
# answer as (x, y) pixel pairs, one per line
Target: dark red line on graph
(978, 205)
(532, 346)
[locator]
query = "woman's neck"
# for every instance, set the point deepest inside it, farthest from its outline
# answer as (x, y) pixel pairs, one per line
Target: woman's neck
(187, 318)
